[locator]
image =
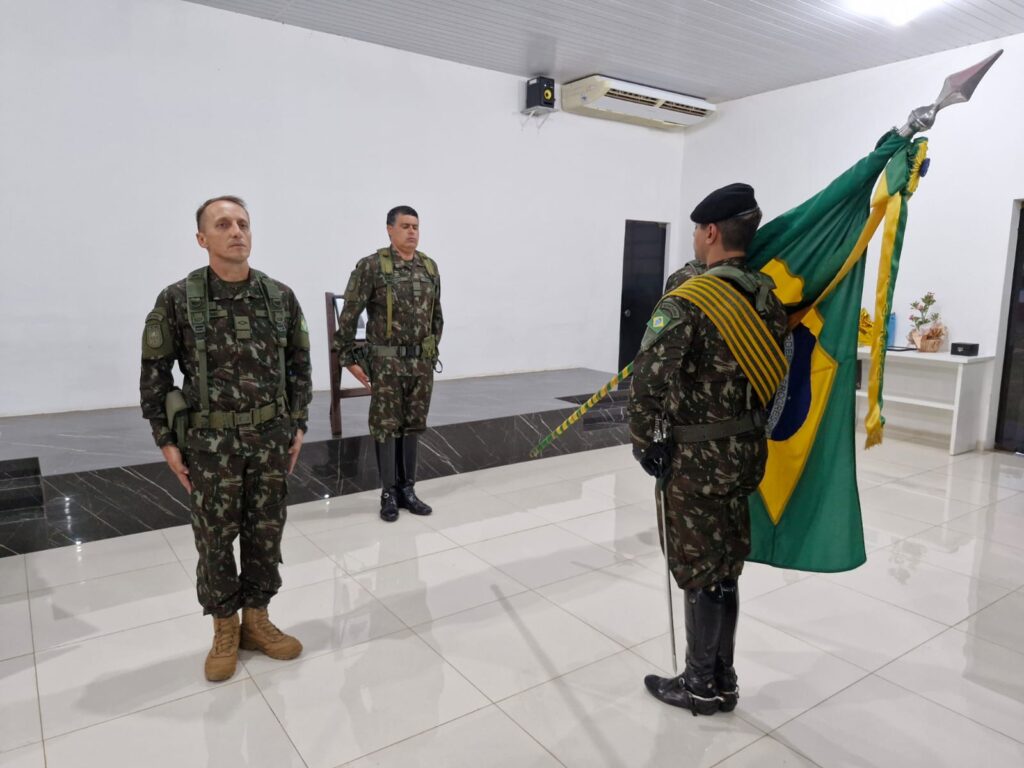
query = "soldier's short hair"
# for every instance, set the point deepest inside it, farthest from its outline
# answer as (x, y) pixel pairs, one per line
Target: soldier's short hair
(226, 198)
(738, 232)
(400, 210)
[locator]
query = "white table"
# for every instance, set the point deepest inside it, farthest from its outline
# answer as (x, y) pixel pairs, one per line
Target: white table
(937, 381)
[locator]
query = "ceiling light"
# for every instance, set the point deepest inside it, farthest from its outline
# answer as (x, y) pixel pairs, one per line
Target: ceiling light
(896, 12)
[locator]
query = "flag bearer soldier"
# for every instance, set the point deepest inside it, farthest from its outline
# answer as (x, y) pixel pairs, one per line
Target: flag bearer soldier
(709, 363)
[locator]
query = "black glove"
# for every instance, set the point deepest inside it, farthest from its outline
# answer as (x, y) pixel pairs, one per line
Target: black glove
(656, 460)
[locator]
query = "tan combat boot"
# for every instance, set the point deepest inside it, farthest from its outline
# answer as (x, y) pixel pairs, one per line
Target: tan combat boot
(259, 634)
(223, 656)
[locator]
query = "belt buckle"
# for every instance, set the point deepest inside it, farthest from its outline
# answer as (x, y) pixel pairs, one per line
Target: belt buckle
(243, 419)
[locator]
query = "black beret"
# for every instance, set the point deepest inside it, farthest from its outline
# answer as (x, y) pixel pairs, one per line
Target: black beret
(731, 200)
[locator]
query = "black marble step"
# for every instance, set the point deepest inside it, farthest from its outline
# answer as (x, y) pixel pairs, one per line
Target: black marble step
(614, 397)
(99, 504)
(21, 492)
(607, 412)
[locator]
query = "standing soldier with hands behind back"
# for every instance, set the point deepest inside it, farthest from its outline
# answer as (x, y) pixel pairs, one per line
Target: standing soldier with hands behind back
(400, 289)
(233, 433)
(708, 366)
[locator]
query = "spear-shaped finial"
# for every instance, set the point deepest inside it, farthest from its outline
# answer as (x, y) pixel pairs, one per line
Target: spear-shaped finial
(958, 88)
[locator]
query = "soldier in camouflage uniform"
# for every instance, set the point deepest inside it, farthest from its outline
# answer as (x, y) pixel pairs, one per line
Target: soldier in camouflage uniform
(688, 376)
(680, 276)
(400, 289)
(246, 397)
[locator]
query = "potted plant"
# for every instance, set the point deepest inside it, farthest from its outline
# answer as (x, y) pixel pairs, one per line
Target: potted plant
(928, 332)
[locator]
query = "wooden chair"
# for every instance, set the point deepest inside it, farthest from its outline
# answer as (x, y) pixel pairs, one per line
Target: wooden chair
(332, 301)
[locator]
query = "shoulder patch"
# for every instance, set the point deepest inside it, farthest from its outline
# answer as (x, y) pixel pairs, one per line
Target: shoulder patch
(659, 321)
(300, 336)
(157, 341)
(352, 289)
(665, 315)
(154, 335)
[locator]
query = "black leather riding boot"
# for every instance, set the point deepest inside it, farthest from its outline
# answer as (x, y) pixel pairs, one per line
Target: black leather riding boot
(725, 672)
(406, 470)
(386, 469)
(695, 688)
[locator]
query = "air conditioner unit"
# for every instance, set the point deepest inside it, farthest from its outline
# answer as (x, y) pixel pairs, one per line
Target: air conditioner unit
(600, 96)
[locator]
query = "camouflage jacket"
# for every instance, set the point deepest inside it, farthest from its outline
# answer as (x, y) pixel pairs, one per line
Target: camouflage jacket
(415, 313)
(680, 276)
(242, 374)
(686, 373)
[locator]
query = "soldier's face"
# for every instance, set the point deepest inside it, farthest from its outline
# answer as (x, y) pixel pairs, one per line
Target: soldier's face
(224, 232)
(704, 236)
(405, 233)
(700, 243)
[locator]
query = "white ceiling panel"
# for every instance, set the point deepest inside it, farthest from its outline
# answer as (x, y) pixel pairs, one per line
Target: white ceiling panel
(714, 49)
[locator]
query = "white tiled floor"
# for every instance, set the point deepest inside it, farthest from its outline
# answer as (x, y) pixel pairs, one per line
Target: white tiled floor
(512, 629)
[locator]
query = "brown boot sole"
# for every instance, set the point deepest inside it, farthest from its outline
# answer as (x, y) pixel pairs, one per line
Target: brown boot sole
(252, 645)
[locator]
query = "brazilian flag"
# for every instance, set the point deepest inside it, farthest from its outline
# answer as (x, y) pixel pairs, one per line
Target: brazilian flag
(806, 513)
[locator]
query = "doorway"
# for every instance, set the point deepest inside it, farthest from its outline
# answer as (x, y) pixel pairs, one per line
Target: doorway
(1010, 418)
(643, 279)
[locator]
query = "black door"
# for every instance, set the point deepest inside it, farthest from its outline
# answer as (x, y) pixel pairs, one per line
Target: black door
(643, 278)
(1010, 423)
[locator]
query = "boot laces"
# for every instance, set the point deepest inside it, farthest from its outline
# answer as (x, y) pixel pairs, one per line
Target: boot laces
(266, 626)
(224, 639)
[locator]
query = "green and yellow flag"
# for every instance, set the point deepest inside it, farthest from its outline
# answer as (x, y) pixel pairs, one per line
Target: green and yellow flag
(806, 513)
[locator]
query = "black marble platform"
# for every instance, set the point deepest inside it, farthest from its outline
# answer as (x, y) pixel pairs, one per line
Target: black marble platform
(20, 489)
(81, 441)
(606, 413)
(86, 506)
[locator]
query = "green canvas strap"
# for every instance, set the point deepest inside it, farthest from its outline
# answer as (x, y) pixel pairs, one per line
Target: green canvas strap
(751, 421)
(431, 268)
(199, 313)
(274, 300)
(406, 351)
(235, 419)
(199, 317)
(756, 284)
(387, 268)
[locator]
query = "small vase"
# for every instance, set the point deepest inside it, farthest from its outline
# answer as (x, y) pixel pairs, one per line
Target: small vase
(924, 345)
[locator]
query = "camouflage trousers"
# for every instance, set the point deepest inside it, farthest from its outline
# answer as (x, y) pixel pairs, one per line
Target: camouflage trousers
(708, 513)
(239, 484)
(399, 405)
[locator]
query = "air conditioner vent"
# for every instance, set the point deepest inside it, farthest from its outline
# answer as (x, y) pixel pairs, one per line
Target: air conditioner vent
(636, 98)
(600, 96)
(684, 109)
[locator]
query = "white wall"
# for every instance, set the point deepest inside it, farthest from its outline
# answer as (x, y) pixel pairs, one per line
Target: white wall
(119, 116)
(962, 224)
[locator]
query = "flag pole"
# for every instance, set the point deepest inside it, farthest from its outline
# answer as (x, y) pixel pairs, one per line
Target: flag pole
(575, 416)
